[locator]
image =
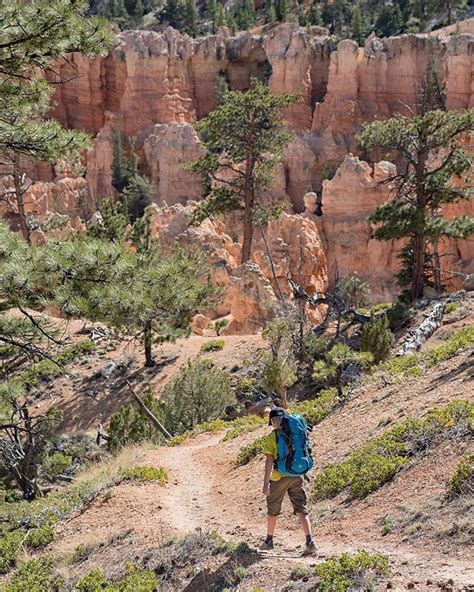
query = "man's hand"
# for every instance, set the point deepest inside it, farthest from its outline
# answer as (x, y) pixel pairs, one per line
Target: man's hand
(266, 489)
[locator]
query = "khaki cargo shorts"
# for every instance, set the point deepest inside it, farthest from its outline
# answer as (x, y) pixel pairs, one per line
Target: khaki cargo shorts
(294, 487)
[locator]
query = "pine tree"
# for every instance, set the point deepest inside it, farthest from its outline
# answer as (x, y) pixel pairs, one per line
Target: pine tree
(119, 163)
(244, 129)
(139, 10)
(118, 9)
(439, 7)
(172, 14)
(34, 38)
(314, 15)
(137, 196)
(190, 18)
(210, 13)
(430, 146)
(221, 20)
(281, 10)
(357, 28)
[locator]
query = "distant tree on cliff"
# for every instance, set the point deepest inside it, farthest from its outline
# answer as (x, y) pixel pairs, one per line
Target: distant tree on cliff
(245, 138)
(135, 190)
(357, 25)
(448, 7)
(190, 18)
(35, 36)
(434, 173)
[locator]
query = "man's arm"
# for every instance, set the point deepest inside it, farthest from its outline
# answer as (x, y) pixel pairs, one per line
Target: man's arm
(268, 471)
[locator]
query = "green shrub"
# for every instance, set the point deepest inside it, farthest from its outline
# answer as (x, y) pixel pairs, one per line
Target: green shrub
(198, 393)
(56, 464)
(348, 572)
(34, 575)
(315, 410)
(130, 425)
(409, 365)
(375, 463)
(9, 546)
(399, 316)
(219, 325)
(299, 573)
(381, 306)
(451, 307)
(13, 540)
(243, 425)
(250, 451)
(462, 481)
(213, 345)
(48, 369)
(146, 473)
(39, 537)
(459, 340)
(137, 580)
(377, 338)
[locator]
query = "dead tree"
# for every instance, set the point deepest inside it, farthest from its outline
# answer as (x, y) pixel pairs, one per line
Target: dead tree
(21, 445)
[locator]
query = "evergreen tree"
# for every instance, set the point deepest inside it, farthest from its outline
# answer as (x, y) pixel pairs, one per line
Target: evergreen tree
(314, 15)
(247, 131)
(385, 21)
(439, 7)
(221, 20)
(119, 163)
(327, 14)
(281, 10)
(171, 14)
(139, 10)
(397, 19)
(190, 18)
(357, 28)
(137, 196)
(377, 338)
(118, 9)
(35, 36)
(432, 152)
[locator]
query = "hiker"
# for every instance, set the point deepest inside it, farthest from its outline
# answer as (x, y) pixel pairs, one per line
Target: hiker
(288, 458)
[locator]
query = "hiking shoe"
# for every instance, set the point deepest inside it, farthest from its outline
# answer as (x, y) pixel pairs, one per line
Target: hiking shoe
(310, 549)
(266, 546)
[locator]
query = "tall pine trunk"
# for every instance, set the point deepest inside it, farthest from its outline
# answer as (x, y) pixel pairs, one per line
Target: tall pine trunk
(418, 281)
(20, 202)
(147, 342)
(249, 202)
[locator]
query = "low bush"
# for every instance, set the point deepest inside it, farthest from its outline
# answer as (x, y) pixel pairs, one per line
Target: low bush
(250, 451)
(375, 463)
(137, 580)
(34, 575)
(409, 365)
(12, 541)
(146, 473)
(462, 480)
(451, 307)
(213, 345)
(357, 572)
(399, 316)
(130, 425)
(243, 425)
(299, 573)
(198, 393)
(459, 340)
(219, 325)
(377, 338)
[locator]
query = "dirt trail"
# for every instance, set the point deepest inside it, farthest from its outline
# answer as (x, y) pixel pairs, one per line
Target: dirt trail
(206, 492)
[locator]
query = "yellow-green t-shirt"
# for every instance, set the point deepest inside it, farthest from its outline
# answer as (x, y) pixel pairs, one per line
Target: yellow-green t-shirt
(270, 447)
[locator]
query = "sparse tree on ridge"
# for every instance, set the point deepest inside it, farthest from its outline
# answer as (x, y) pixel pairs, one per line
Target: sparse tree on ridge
(245, 138)
(431, 148)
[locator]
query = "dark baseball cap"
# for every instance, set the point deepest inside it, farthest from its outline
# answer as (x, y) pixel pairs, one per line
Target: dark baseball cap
(276, 412)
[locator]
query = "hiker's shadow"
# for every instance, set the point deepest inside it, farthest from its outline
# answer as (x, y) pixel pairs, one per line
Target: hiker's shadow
(224, 576)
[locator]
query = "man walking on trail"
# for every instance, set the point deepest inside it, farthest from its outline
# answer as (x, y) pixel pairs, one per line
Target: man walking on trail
(276, 485)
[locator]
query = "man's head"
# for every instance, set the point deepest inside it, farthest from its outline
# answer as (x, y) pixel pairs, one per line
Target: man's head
(276, 415)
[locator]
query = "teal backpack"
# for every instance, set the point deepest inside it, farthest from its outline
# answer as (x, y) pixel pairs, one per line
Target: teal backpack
(294, 447)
